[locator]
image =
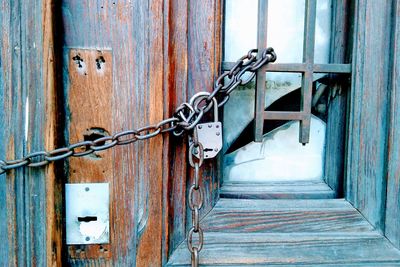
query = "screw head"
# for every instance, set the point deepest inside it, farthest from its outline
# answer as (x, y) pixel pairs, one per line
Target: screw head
(218, 133)
(210, 125)
(216, 149)
(87, 189)
(87, 238)
(199, 126)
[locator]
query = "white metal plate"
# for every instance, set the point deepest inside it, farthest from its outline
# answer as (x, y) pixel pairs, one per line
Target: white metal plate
(87, 213)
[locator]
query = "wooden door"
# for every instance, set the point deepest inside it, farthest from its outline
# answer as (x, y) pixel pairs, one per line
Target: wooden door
(78, 70)
(83, 69)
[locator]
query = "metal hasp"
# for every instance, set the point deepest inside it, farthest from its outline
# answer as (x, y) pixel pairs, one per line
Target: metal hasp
(87, 213)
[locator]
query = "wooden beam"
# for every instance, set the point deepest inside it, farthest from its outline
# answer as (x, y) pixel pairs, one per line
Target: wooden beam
(262, 28)
(30, 220)
(300, 67)
(337, 109)
(284, 115)
(307, 77)
(392, 222)
(369, 102)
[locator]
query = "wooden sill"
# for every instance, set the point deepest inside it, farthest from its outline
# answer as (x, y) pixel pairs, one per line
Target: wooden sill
(289, 232)
(277, 190)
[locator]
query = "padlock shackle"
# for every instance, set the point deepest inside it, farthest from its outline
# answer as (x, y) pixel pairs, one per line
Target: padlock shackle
(197, 98)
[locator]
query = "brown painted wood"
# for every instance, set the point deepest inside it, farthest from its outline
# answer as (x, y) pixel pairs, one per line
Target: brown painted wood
(174, 151)
(137, 100)
(90, 91)
(149, 179)
(204, 29)
(53, 135)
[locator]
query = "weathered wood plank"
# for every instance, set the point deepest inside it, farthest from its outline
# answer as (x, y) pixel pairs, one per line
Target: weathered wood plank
(277, 190)
(90, 91)
(283, 204)
(368, 120)
(30, 199)
(175, 92)
(204, 29)
(276, 216)
(295, 249)
(133, 30)
(289, 232)
(152, 74)
(392, 223)
(12, 105)
(337, 106)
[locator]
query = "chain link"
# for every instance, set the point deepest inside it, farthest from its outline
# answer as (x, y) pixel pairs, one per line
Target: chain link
(185, 118)
(195, 201)
(80, 149)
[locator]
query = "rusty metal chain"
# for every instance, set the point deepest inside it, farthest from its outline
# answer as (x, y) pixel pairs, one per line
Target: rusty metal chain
(80, 149)
(190, 114)
(195, 203)
(185, 118)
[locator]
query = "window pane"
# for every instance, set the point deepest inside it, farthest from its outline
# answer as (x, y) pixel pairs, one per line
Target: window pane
(323, 31)
(240, 28)
(285, 29)
(279, 157)
(266, 161)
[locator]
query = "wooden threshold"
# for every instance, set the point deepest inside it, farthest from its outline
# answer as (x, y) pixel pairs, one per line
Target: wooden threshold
(289, 232)
(277, 190)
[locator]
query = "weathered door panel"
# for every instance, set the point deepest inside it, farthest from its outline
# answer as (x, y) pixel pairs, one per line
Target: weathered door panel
(157, 54)
(154, 56)
(30, 200)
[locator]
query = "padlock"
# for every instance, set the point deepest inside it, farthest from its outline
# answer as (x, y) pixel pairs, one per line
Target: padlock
(209, 135)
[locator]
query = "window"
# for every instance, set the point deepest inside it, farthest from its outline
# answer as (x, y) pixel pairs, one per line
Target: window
(293, 96)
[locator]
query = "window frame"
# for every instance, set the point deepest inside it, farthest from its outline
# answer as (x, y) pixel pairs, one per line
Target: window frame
(338, 68)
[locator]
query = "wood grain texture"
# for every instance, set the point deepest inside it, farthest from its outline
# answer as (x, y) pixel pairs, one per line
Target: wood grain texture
(133, 30)
(289, 233)
(204, 29)
(158, 63)
(369, 102)
(392, 222)
(277, 216)
(292, 249)
(29, 198)
(12, 101)
(337, 108)
(277, 190)
(90, 92)
(175, 92)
